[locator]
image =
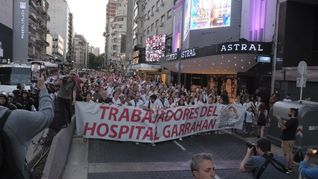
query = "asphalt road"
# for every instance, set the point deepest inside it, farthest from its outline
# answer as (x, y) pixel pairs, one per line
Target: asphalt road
(125, 160)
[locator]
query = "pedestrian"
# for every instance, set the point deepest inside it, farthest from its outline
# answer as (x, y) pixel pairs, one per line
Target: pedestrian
(66, 96)
(307, 170)
(202, 166)
(288, 136)
(261, 120)
(263, 164)
(19, 129)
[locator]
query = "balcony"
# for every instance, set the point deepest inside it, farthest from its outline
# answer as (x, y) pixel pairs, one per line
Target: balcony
(33, 16)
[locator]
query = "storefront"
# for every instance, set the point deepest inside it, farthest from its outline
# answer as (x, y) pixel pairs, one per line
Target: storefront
(221, 67)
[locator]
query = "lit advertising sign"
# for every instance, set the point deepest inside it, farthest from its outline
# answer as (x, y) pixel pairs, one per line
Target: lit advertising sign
(155, 48)
(210, 14)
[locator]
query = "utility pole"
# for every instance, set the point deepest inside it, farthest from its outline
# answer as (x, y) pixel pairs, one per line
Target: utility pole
(275, 48)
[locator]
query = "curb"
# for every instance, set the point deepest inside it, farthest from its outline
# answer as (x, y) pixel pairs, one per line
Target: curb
(58, 154)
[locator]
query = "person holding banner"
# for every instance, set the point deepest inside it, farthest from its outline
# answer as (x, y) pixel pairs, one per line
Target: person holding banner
(137, 102)
(153, 104)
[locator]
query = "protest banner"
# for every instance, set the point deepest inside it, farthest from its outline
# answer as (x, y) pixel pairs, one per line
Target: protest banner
(126, 123)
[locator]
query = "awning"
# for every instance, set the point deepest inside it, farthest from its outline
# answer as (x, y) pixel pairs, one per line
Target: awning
(146, 67)
(214, 64)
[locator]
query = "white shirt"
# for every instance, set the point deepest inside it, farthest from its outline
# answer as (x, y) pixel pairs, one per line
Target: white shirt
(249, 117)
(156, 105)
(116, 102)
(139, 103)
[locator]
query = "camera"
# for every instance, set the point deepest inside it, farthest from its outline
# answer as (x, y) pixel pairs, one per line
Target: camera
(251, 146)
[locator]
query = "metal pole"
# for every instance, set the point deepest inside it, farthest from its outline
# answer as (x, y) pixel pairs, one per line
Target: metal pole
(275, 48)
(179, 67)
(301, 87)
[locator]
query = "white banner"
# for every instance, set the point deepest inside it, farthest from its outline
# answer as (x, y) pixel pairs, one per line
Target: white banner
(126, 123)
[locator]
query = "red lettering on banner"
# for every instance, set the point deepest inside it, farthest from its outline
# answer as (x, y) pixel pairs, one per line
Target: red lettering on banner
(104, 108)
(186, 114)
(187, 128)
(91, 129)
(197, 112)
(131, 132)
(182, 128)
(169, 115)
(135, 117)
(148, 134)
(124, 115)
(147, 117)
(211, 111)
(214, 111)
(203, 111)
(193, 128)
(112, 114)
(156, 134)
(205, 125)
(113, 132)
(192, 113)
(180, 114)
(123, 130)
(212, 124)
(198, 125)
(174, 131)
(161, 116)
(100, 132)
(166, 131)
(139, 128)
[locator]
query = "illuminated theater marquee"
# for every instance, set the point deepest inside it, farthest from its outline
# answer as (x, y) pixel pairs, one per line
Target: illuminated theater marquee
(240, 47)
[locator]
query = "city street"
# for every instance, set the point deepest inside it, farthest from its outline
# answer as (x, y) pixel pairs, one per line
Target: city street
(99, 159)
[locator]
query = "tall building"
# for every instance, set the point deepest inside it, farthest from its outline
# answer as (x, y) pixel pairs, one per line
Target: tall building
(6, 31)
(158, 19)
(116, 33)
(80, 51)
(70, 50)
(49, 48)
(94, 50)
(58, 46)
(110, 14)
(61, 22)
(38, 19)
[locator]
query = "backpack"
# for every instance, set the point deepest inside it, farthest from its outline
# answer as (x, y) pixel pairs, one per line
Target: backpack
(8, 168)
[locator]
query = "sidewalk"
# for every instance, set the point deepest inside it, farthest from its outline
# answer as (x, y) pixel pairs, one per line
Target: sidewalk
(77, 162)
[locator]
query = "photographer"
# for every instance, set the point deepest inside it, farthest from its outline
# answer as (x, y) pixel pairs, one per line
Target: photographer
(263, 164)
(305, 169)
(18, 130)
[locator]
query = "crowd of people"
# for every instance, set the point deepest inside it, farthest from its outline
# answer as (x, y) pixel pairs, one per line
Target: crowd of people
(120, 90)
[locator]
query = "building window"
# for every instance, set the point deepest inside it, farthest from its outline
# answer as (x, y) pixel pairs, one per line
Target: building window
(157, 23)
(148, 30)
(162, 2)
(152, 27)
(169, 14)
(157, 5)
(148, 14)
(152, 10)
(162, 20)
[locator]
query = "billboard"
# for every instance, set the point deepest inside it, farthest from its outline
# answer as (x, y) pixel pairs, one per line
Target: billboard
(155, 47)
(210, 14)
